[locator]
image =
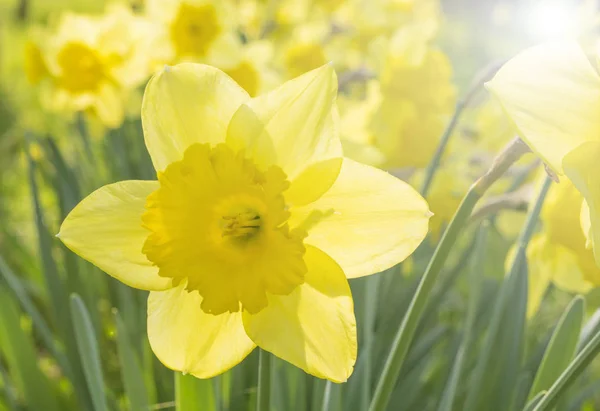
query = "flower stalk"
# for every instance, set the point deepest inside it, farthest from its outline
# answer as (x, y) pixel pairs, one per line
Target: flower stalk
(513, 151)
(263, 396)
(461, 105)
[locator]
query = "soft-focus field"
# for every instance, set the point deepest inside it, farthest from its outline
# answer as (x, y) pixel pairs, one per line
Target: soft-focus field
(497, 311)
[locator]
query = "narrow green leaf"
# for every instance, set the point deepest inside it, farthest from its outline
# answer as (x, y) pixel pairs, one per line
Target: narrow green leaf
(475, 277)
(575, 368)
(193, 394)
(562, 347)
(591, 328)
(20, 354)
(87, 345)
(512, 340)
(14, 283)
(491, 368)
(8, 392)
(534, 401)
(133, 378)
(54, 283)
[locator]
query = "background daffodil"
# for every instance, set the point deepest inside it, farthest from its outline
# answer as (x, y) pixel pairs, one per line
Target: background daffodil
(253, 227)
(91, 63)
(552, 93)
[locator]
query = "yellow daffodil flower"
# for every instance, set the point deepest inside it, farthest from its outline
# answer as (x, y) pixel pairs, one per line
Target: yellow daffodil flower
(253, 69)
(417, 99)
(253, 227)
(90, 63)
(552, 94)
(195, 30)
(558, 253)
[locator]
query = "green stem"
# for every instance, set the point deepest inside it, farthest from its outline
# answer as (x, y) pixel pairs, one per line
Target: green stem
(264, 381)
(583, 359)
(415, 310)
(192, 394)
(434, 164)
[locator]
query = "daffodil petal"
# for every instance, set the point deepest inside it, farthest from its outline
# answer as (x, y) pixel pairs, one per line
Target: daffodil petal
(372, 220)
(247, 132)
(109, 106)
(552, 94)
(106, 229)
(186, 339)
(581, 166)
(186, 104)
(586, 223)
(301, 118)
(313, 327)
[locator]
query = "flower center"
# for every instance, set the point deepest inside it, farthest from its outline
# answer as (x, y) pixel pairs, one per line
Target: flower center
(82, 69)
(194, 29)
(243, 225)
(219, 223)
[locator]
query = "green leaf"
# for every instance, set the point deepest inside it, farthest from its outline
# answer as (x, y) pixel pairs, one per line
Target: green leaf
(466, 344)
(193, 394)
(20, 354)
(14, 283)
(131, 371)
(534, 401)
(575, 368)
(88, 351)
(562, 347)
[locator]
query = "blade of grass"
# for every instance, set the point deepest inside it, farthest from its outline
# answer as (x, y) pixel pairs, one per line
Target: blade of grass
(39, 323)
(87, 345)
(562, 347)
(19, 352)
(534, 401)
(412, 317)
(575, 368)
(133, 378)
(466, 344)
(481, 374)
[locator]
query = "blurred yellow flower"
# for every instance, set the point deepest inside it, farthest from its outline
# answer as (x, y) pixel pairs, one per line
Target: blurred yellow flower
(90, 63)
(194, 30)
(253, 227)
(417, 100)
(558, 253)
(252, 70)
(552, 93)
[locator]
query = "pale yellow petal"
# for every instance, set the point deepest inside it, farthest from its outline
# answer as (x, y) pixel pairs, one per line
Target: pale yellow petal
(552, 94)
(186, 339)
(582, 167)
(301, 118)
(247, 132)
(586, 223)
(186, 104)
(546, 262)
(314, 327)
(373, 220)
(106, 229)
(108, 105)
